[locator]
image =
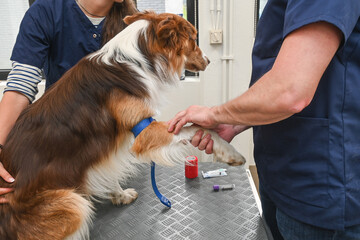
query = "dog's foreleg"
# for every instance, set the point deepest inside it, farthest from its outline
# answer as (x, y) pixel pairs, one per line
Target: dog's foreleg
(222, 150)
(157, 144)
(121, 196)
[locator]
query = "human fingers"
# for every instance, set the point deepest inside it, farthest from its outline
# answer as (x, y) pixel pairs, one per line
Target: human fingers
(5, 190)
(180, 124)
(173, 122)
(209, 147)
(197, 138)
(180, 121)
(204, 142)
(5, 175)
(199, 115)
(3, 200)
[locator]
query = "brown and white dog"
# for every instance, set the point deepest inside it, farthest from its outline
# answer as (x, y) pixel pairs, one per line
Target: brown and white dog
(76, 143)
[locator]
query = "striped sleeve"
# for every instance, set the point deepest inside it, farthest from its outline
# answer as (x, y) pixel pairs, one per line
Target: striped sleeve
(24, 78)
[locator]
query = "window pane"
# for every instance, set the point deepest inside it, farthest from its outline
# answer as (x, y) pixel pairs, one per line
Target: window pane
(11, 13)
(161, 6)
(184, 8)
(261, 6)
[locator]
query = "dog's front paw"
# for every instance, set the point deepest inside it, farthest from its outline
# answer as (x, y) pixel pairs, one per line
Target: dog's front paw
(236, 159)
(125, 197)
(230, 156)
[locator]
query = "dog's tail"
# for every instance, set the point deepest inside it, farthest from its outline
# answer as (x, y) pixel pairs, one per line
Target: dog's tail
(52, 214)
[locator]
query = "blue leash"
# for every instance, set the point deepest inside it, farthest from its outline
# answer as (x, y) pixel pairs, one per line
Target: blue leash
(136, 131)
(162, 198)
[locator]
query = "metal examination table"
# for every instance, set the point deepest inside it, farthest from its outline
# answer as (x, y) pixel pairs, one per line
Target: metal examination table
(197, 211)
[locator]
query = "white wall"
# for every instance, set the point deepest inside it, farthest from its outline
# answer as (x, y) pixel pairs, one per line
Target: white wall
(242, 40)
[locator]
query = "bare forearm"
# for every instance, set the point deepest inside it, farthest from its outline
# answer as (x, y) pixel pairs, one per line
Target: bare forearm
(11, 105)
(283, 91)
(291, 83)
(257, 106)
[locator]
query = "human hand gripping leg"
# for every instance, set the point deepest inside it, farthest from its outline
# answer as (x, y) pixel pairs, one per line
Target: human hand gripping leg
(199, 115)
(7, 177)
(11, 105)
(225, 131)
(204, 117)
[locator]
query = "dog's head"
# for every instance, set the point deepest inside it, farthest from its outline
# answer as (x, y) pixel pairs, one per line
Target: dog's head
(173, 37)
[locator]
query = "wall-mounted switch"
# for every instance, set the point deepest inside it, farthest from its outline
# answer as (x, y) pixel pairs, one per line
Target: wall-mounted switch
(216, 36)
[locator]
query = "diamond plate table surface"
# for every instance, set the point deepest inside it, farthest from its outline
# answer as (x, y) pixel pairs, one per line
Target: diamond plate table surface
(197, 212)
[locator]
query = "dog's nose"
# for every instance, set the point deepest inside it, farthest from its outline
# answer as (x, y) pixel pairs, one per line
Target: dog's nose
(207, 60)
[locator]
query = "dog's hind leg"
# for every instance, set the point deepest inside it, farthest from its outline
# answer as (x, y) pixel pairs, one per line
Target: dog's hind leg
(157, 144)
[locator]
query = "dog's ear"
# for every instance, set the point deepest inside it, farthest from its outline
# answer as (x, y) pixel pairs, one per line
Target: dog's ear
(147, 15)
(168, 32)
(173, 31)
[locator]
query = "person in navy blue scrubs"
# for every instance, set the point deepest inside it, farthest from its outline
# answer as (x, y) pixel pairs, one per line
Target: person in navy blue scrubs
(54, 35)
(304, 107)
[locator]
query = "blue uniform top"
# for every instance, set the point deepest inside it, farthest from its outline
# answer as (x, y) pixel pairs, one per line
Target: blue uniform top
(309, 163)
(55, 35)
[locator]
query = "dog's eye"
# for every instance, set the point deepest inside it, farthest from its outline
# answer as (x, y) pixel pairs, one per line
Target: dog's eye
(192, 42)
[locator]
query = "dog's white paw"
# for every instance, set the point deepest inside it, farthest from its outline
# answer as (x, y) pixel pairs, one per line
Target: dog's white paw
(125, 197)
(230, 156)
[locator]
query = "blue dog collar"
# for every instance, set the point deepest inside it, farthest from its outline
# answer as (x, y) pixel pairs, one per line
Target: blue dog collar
(136, 131)
(141, 126)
